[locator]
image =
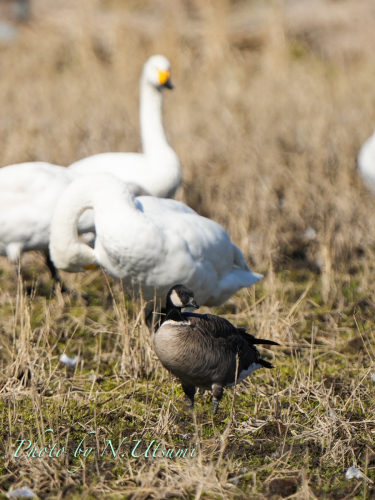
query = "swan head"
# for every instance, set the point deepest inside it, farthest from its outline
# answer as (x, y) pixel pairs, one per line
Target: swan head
(157, 72)
(74, 257)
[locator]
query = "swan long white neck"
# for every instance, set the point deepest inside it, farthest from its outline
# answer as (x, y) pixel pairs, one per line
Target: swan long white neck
(117, 221)
(164, 172)
(151, 118)
(67, 251)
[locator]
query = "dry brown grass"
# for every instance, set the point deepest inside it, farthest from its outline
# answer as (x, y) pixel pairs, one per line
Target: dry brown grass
(271, 105)
(294, 430)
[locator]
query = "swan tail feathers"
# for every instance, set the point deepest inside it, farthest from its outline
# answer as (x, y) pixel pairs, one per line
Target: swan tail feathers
(239, 259)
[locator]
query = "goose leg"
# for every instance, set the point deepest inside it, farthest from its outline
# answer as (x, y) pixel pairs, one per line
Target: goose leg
(217, 394)
(189, 391)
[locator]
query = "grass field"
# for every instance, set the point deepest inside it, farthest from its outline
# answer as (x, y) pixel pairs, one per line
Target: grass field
(272, 101)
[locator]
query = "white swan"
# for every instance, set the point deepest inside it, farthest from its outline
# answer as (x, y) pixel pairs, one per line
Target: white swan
(28, 195)
(158, 169)
(366, 162)
(147, 242)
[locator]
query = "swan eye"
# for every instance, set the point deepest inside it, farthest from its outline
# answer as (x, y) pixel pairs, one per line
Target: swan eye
(164, 76)
(91, 266)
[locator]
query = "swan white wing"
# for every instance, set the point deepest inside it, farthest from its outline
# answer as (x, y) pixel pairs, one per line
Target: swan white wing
(218, 267)
(366, 162)
(126, 166)
(131, 168)
(127, 246)
(25, 224)
(28, 194)
(205, 238)
(138, 244)
(198, 251)
(31, 178)
(150, 204)
(158, 176)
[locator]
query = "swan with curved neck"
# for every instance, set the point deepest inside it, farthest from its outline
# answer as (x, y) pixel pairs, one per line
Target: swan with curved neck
(157, 170)
(148, 243)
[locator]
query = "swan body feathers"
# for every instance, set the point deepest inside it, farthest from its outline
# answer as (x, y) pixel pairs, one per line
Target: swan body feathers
(366, 162)
(28, 195)
(148, 243)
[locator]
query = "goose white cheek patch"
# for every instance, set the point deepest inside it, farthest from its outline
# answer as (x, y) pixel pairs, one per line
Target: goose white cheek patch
(176, 301)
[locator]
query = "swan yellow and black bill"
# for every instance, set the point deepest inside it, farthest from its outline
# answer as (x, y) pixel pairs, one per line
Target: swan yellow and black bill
(91, 266)
(164, 76)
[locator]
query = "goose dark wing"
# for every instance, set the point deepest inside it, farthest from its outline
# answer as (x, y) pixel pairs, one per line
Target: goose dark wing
(213, 325)
(222, 328)
(234, 340)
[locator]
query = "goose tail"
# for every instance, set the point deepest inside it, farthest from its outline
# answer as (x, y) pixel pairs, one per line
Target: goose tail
(255, 341)
(250, 339)
(265, 364)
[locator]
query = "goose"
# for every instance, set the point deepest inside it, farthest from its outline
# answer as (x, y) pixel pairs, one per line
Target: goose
(28, 194)
(366, 162)
(157, 170)
(204, 350)
(149, 243)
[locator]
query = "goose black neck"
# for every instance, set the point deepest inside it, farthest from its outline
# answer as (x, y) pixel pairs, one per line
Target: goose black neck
(169, 304)
(172, 312)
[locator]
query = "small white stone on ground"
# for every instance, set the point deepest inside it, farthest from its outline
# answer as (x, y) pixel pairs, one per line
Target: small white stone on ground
(353, 472)
(23, 492)
(69, 362)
